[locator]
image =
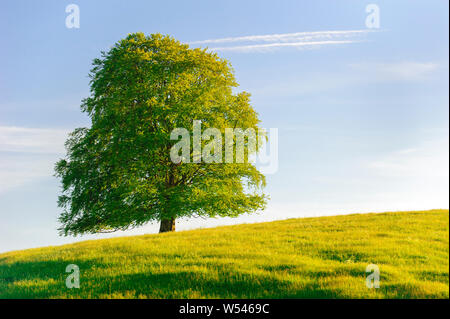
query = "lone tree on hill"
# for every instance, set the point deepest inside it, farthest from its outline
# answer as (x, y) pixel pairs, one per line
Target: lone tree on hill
(118, 173)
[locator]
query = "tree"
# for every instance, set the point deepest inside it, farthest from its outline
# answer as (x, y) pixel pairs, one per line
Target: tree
(118, 173)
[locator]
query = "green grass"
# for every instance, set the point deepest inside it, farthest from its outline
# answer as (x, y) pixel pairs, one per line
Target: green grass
(323, 257)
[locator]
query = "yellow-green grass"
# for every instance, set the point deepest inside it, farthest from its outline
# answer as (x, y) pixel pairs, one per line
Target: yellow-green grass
(324, 257)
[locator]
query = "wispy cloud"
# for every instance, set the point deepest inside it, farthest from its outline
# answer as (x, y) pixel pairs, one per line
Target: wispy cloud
(298, 39)
(286, 37)
(349, 77)
(396, 71)
(20, 169)
(27, 154)
(429, 160)
(32, 140)
(268, 47)
(422, 172)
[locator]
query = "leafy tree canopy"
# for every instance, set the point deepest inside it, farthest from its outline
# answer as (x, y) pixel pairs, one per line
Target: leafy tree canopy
(118, 173)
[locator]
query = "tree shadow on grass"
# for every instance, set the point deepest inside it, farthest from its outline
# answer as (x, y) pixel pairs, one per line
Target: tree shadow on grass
(47, 280)
(37, 279)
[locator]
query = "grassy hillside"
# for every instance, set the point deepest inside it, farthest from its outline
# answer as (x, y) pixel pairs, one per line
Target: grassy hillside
(322, 257)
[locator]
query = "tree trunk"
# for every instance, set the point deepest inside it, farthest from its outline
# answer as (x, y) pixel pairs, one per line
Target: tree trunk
(167, 225)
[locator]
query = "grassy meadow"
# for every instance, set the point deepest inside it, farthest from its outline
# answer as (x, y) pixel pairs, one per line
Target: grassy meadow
(324, 257)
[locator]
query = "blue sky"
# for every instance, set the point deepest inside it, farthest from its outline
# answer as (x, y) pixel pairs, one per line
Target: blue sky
(363, 124)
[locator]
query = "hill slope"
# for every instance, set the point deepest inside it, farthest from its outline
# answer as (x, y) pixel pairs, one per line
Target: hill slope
(323, 257)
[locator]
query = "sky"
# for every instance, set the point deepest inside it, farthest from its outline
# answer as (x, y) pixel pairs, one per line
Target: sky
(362, 113)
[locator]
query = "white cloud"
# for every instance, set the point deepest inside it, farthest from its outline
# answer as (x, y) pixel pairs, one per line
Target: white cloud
(270, 46)
(28, 154)
(20, 169)
(32, 140)
(397, 71)
(429, 160)
(347, 78)
(287, 37)
(420, 175)
(298, 39)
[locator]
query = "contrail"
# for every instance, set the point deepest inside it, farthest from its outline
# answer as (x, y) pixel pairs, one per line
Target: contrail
(262, 47)
(285, 37)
